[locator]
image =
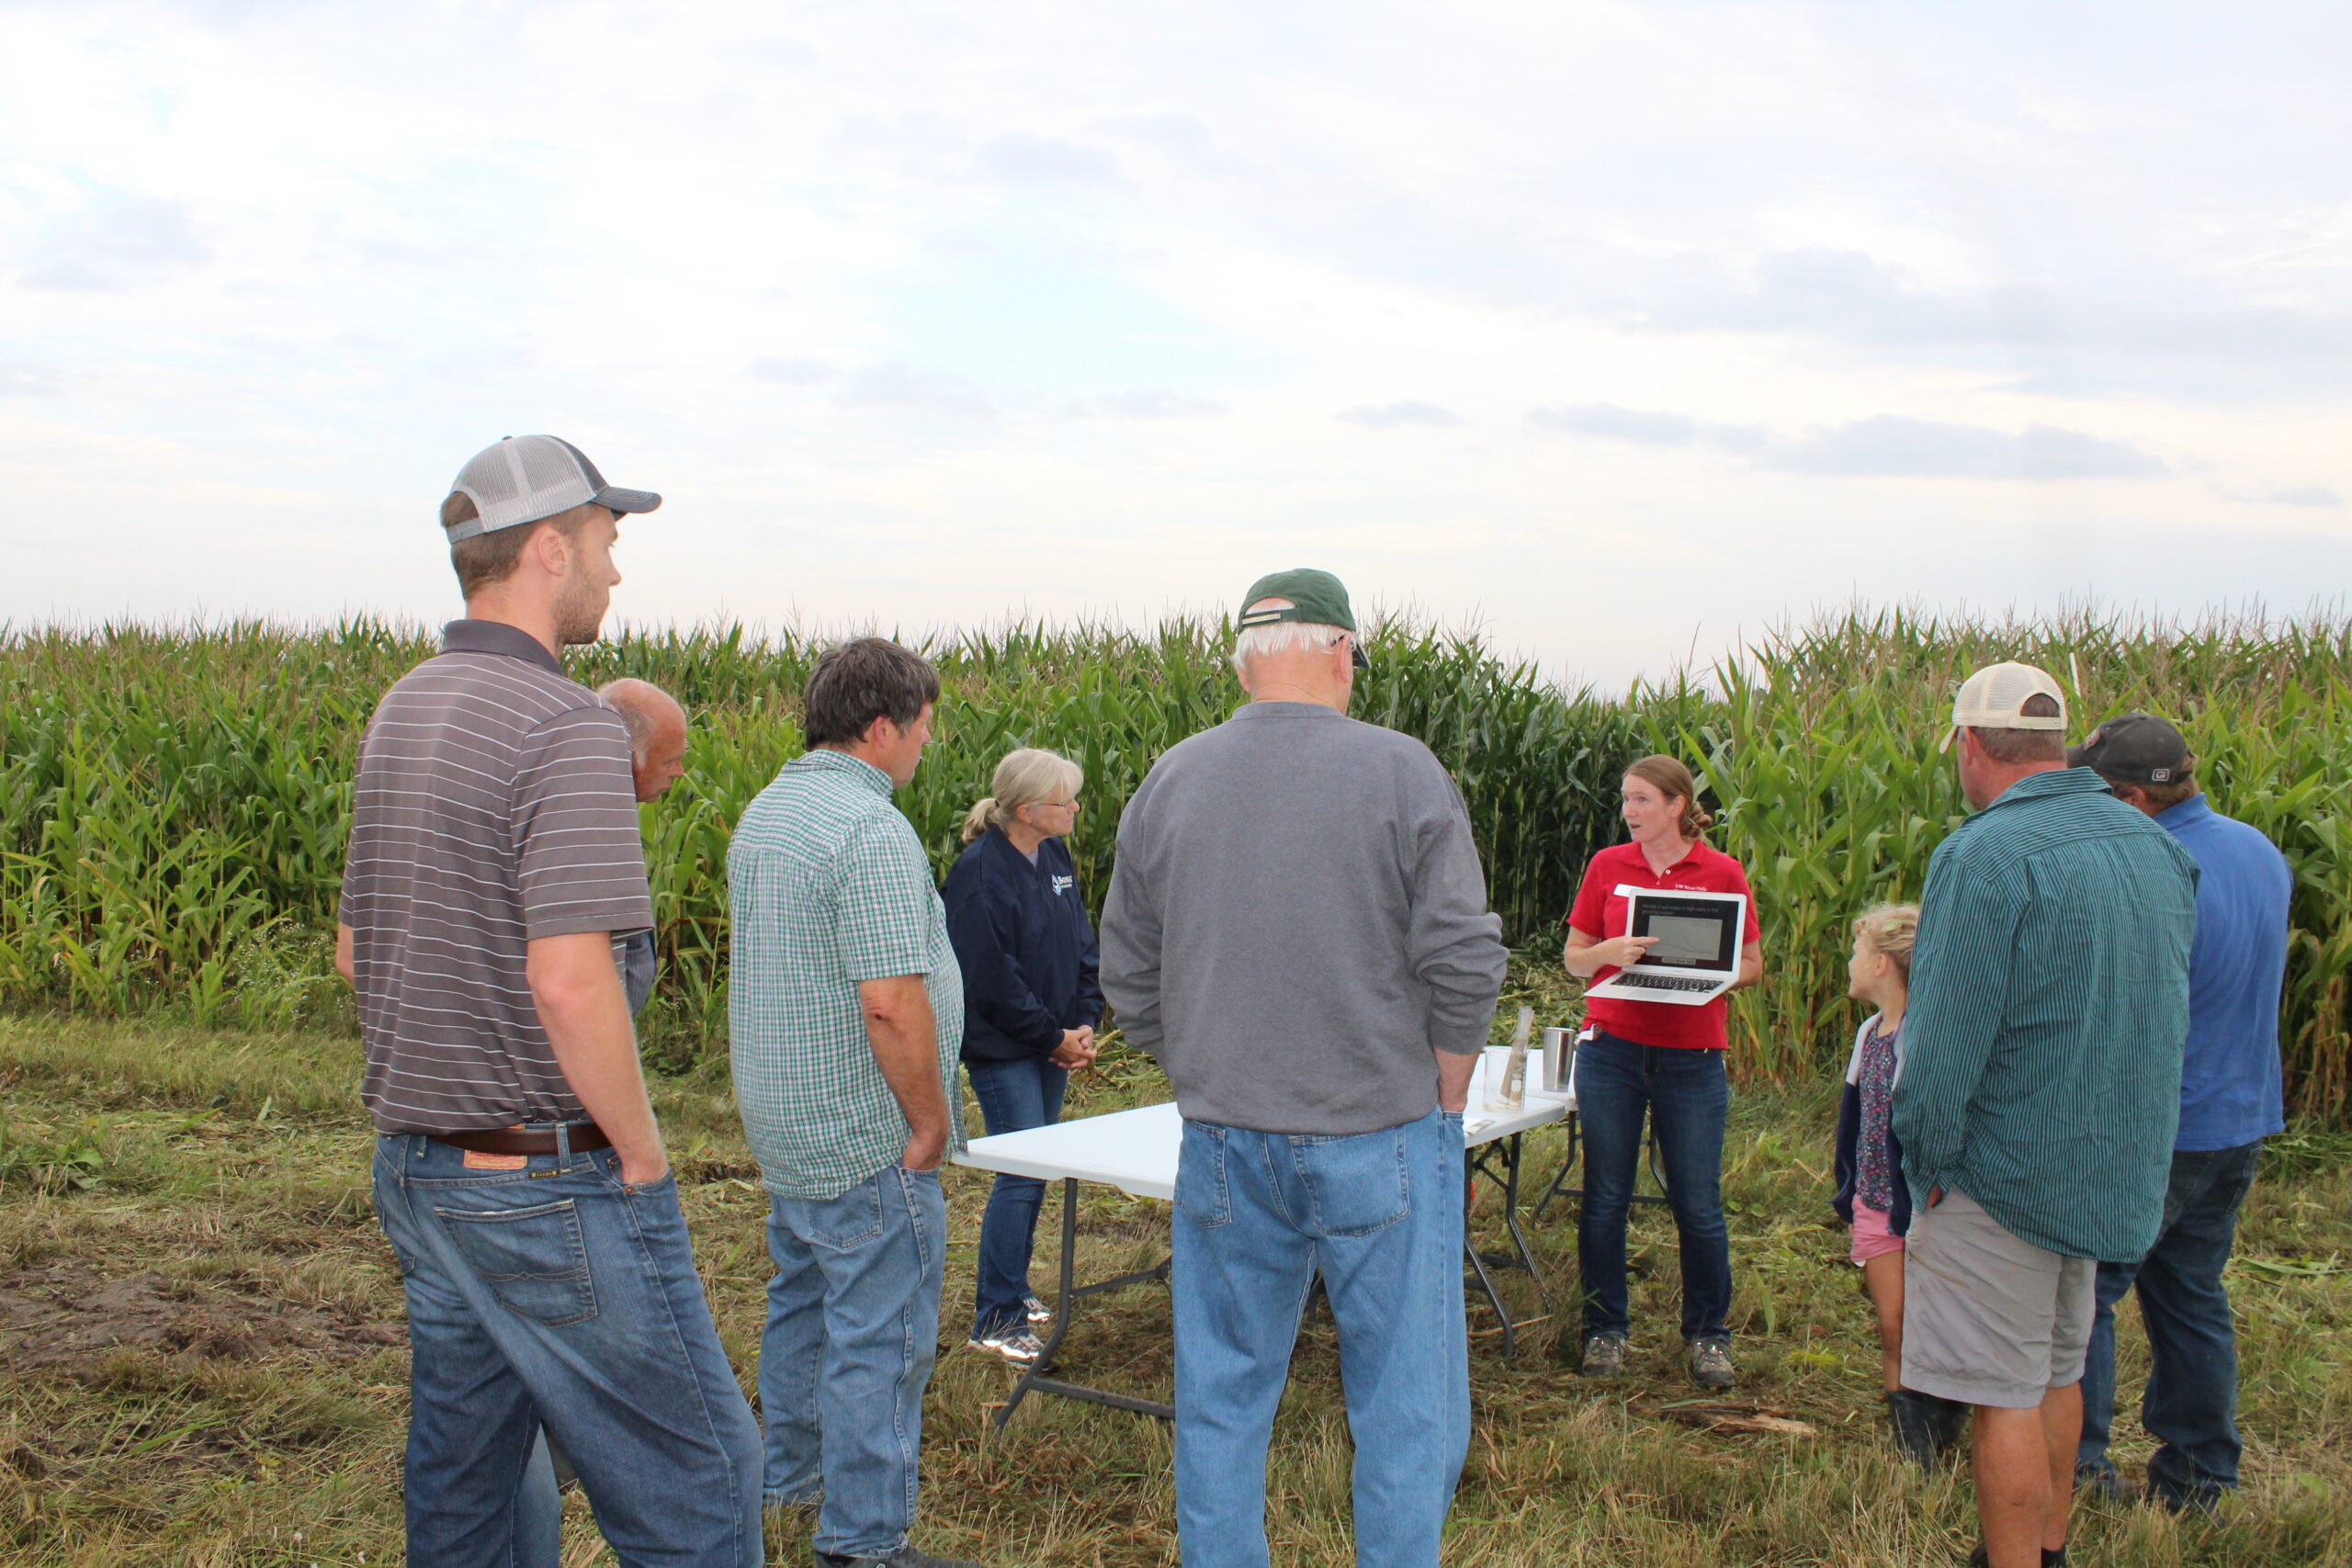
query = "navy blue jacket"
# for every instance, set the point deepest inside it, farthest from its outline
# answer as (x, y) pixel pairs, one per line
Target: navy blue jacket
(1846, 1166)
(1026, 946)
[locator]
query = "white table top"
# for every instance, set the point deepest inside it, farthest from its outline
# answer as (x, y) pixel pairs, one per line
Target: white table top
(1135, 1151)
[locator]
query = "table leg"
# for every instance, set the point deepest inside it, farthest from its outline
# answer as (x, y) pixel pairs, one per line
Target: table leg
(1494, 1296)
(1509, 1152)
(1065, 1312)
(1558, 1186)
(1518, 1234)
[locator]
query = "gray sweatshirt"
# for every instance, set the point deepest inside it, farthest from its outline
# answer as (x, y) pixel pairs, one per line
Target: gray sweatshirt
(1296, 920)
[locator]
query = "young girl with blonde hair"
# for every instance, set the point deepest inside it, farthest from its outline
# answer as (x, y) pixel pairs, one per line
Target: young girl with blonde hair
(1871, 1195)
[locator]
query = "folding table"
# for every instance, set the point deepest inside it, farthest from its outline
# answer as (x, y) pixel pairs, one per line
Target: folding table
(1135, 1151)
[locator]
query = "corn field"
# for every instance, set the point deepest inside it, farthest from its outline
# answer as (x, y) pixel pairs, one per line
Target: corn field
(174, 801)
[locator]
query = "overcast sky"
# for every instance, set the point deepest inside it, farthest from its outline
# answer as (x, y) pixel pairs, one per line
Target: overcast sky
(1619, 329)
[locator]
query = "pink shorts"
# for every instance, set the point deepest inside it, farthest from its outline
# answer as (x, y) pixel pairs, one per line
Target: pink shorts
(1872, 1237)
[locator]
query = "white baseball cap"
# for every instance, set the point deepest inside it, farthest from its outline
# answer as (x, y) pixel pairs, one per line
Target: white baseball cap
(1994, 696)
(525, 477)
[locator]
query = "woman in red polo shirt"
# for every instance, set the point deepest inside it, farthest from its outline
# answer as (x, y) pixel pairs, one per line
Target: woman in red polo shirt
(1658, 1058)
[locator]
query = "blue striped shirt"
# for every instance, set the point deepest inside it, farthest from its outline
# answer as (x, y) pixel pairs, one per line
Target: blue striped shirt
(2049, 1006)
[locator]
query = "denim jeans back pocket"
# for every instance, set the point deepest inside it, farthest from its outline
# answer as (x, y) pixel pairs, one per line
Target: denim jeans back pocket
(1355, 1185)
(1200, 1176)
(842, 1222)
(535, 1260)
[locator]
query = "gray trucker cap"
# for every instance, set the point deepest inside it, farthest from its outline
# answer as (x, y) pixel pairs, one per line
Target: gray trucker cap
(525, 477)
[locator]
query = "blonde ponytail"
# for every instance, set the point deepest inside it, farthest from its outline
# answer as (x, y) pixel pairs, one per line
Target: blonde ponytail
(1026, 777)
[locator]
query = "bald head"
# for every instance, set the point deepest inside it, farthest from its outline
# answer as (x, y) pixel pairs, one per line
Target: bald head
(657, 733)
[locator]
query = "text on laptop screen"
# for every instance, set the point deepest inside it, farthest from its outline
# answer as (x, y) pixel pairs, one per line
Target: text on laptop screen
(1693, 933)
(1683, 940)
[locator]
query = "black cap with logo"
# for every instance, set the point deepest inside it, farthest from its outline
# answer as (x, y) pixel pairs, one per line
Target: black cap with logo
(2137, 748)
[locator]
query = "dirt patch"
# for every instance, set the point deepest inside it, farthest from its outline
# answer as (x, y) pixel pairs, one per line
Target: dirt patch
(64, 1320)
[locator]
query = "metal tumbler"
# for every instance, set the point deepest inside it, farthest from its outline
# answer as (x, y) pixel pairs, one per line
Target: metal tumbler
(1556, 1060)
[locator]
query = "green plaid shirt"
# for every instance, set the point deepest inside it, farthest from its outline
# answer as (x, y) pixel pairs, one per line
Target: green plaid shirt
(829, 887)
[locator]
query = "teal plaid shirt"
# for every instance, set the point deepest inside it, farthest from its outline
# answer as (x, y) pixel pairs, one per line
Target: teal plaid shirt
(829, 887)
(2049, 1006)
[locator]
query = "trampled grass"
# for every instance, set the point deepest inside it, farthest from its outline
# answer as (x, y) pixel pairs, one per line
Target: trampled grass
(250, 1412)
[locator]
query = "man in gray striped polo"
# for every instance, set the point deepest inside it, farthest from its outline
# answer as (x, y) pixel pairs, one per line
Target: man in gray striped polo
(2040, 1090)
(519, 1174)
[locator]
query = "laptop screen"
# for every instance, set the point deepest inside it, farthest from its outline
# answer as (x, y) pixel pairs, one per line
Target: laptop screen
(1693, 933)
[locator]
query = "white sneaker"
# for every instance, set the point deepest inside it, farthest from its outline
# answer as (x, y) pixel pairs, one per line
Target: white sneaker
(1038, 1311)
(1014, 1343)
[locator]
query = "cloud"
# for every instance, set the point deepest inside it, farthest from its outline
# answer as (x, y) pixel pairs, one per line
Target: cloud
(920, 143)
(897, 385)
(1649, 427)
(1148, 405)
(1619, 424)
(2185, 336)
(2282, 495)
(789, 54)
(1392, 416)
(1884, 448)
(1176, 135)
(1021, 157)
(26, 379)
(1918, 448)
(139, 242)
(792, 372)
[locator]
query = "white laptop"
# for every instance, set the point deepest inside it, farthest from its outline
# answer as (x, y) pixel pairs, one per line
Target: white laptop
(1696, 957)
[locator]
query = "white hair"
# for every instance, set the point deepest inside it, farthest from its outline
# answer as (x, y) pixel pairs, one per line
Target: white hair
(637, 702)
(1284, 636)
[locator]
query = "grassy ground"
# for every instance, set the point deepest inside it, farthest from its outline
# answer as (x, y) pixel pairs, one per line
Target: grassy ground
(201, 1359)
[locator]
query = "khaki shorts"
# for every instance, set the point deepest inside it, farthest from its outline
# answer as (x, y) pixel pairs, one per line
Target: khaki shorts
(1989, 1318)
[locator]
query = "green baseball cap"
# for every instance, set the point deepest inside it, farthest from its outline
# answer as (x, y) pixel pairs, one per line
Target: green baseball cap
(1316, 598)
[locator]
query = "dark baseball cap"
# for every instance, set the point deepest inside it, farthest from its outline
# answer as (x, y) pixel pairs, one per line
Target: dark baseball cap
(1316, 599)
(2137, 748)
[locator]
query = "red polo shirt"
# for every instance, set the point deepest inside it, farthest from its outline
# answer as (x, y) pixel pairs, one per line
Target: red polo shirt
(1601, 912)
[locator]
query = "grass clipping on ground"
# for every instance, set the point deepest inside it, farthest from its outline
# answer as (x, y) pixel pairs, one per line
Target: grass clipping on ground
(202, 1360)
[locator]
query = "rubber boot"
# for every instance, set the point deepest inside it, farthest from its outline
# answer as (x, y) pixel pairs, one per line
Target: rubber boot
(1912, 1418)
(1948, 1420)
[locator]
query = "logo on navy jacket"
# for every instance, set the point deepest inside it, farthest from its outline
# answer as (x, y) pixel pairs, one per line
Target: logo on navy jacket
(1063, 885)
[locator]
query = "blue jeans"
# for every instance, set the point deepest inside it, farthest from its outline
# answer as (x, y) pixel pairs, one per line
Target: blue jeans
(2190, 1406)
(555, 1295)
(1013, 1096)
(852, 1330)
(1379, 1214)
(538, 1511)
(1687, 1097)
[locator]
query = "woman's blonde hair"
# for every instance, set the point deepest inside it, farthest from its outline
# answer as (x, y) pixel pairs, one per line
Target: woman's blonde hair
(1671, 779)
(1890, 929)
(1026, 777)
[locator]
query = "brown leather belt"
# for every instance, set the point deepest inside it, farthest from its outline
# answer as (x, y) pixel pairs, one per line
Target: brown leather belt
(583, 1136)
